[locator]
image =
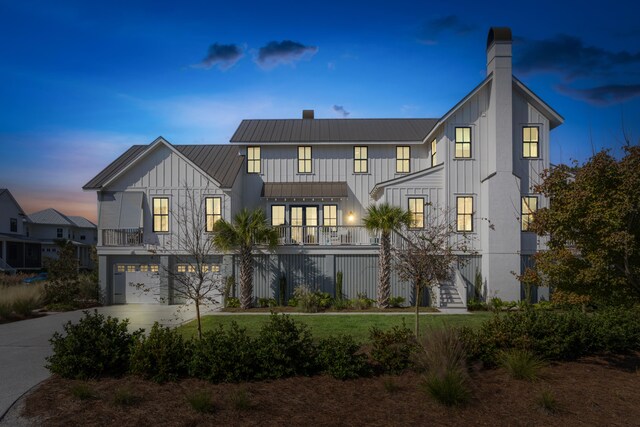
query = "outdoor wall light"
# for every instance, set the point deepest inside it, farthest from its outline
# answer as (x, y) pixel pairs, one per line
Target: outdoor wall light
(351, 217)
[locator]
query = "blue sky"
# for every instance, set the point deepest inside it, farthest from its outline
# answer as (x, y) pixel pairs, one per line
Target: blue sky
(82, 81)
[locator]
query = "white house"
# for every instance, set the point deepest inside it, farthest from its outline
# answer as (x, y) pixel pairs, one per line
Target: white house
(315, 179)
(17, 249)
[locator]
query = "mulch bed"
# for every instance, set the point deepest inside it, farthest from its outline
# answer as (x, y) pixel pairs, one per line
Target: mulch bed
(288, 309)
(591, 391)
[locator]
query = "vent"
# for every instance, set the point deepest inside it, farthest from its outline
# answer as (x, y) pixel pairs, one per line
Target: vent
(307, 114)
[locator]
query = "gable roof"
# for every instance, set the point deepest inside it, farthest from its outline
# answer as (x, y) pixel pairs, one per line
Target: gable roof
(81, 222)
(375, 191)
(220, 162)
(333, 130)
(555, 119)
(3, 190)
(50, 216)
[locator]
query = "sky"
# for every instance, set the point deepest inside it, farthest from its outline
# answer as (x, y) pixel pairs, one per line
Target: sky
(82, 81)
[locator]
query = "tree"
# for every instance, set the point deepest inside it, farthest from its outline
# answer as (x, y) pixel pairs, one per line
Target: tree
(63, 286)
(385, 219)
(593, 227)
(427, 256)
(241, 235)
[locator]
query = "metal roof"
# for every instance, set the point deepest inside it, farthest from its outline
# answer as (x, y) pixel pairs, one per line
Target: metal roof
(50, 216)
(333, 130)
(221, 162)
(324, 190)
(81, 222)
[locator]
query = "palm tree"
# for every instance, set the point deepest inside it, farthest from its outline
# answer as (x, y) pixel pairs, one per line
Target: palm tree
(247, 229)
(384, 219)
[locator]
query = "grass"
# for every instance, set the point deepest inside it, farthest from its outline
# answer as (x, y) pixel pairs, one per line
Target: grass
(125, 397)
(547, 402)
(325, 325)
(82, 391)
(522, 364)
(450, 388)
(240, 400)
(200, 401)
(20, 299)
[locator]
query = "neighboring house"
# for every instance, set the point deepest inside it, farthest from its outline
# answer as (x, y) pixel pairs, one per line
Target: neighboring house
(50, 225)
(315, 179)
(17, 249)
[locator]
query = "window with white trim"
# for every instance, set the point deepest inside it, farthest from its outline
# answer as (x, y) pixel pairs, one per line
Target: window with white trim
(253, 159)
(304, 159)
(213, 211)
(360, 159)
(277, 215)
(530, 142)
(403, 157)
(161, 214)
(529, 207)
(464, 213)
(416, 209)
(463, 143)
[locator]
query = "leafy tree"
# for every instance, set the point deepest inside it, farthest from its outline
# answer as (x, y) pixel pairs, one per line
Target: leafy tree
(385, 219)
(593, 227)
(63, 286)
(241, 235)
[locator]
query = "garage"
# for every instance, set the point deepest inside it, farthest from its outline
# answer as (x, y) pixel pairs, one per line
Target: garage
(136, 284)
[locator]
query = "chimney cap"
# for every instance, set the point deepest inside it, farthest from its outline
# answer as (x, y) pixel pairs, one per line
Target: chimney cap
(307, 114)
(499, 34)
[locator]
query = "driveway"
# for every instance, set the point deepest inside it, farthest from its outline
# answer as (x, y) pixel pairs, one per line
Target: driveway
(25, 344)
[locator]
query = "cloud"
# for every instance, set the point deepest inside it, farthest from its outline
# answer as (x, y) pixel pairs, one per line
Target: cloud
(602, 95)
(431, 31)
(569, 57)
(224, 56)
(284, 52)
(339, 109)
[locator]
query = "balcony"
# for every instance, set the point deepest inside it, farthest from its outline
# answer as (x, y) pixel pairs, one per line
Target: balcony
(349, 235)
(122, 237)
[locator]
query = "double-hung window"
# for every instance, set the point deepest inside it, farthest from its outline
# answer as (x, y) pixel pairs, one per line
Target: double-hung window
(416, 209)
(304, 159)
(434, 157)
(330, 216)
(13, 225)
(463, 143)
(464, 213)
(360, 159)
(161, 214)
(277, 215)
(213, 211)
(530, 142)
(403, 156)
(253, 159)
(529, 207)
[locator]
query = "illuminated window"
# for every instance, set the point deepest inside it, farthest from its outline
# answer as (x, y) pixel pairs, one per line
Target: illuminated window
(403, 154)
(215, 268)
(530, 141)
(464, 213)
(529, 207)
(144, 268)
(330, 215)
(416, 209)
(120, 266)
(212, 211)
(154, 268)
(434, 157)
(277, 215)
(131, 268)
(161, 214)
(463, 143)
(191, 269)
(182, 268)
(253, 159)
(304, 159)
(360, 160)
(205, 268)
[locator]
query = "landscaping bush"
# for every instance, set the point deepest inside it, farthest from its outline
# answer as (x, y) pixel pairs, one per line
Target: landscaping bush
(450, 389)
(161, 356)
(95, 346)
(284, 349)
(342, 304)
(20, 299)
(201, 401)
(362, 302)
(476, 305)
(392, 349)
(311, 301)
(267, 302)
(396, 302)
(521, 364)
(232, 302)
(615, 330)
(340, 357)
(224, 356)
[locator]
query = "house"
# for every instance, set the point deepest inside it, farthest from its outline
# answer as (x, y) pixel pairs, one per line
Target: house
(17, 249)
(49, 225)
(315, 179)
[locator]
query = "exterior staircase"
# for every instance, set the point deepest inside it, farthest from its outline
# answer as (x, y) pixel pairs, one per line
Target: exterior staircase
(452, 295)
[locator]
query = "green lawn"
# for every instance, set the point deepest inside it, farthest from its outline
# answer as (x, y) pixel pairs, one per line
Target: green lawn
(326, 324)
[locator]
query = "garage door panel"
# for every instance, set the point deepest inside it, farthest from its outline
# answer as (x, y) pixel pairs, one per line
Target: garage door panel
(143, 287)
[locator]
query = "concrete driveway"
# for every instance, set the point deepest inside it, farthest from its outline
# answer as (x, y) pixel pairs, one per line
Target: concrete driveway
(25, 344)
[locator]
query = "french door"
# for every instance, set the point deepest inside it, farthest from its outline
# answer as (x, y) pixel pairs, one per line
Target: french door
(304, 224)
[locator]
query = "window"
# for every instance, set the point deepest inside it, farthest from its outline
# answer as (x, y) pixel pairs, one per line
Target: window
(277, 215)
(182, 268)
(464, 213)
(212, 211)
(304, 159)
(253, 159)
(463, 143)
(215, 268)
(154, 268)
(120, 267)
(330, 215)
(530, 141)
(59, 233)
(131, 268)
(416, 209)
(403, 154)
(161, 214)
(13, 225)
(434, 157)
(82, 237)
(144, 268)
(360, 160)
(529, 207)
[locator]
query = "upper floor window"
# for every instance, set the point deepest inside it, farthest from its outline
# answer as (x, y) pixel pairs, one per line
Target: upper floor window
(530, 141)
(403, 155)
(161, 214)
(464, 213)
(434, 157)
(330, 215)
(304, 159)
(529, 207)
(82, 237)
(253, 159)
(213, 211)
(277, 215)
(416, 209)
(13, 225)
(463, 143)
(59, 233)
(360, 160)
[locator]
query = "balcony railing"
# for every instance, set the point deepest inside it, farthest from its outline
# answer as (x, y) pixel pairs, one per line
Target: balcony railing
(122, 237)
(326, 236)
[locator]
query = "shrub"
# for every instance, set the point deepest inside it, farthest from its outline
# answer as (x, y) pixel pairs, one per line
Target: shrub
(396, 302)
(267, 302)
(95, 346)
(340, 357)
(232, 302)
(293, 302)
(88, 290)
(82, 391)
(20, 299)
(223, 355)
(161, 356)
(311, 301)
(229, 284)
(362, 302)
(615, 330)
(338, 290)
(476, 305)
(284, 348)
(521, 364)
(440, 350)
(450, 389)
(392, 349)
(341, 304)
(282, 294)
(201, 401)
(569, 300)
(547, 402)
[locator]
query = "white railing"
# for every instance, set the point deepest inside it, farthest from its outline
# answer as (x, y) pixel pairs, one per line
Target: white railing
(326, 236)
(122, 237)
(461, 286)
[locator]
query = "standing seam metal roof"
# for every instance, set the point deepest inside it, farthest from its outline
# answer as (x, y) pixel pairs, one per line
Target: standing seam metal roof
(305, 189)
(333, 130)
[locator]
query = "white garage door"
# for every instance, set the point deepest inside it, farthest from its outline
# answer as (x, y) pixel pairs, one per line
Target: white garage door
(136, 284)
